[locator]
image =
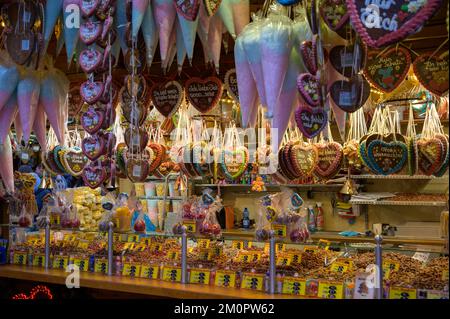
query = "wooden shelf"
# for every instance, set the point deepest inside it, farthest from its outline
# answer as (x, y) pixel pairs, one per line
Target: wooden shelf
(306, 186)
(396, 177)
(398, 203)
(134, 285)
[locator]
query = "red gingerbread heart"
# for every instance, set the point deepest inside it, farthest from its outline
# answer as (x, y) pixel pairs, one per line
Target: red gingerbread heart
(432, 72)
(92, 120)
(89, 60)
(167, 97)
(91, 91)
(94, 175)
(329, 159)
(88, 7)
(90, 32)
(93, 146)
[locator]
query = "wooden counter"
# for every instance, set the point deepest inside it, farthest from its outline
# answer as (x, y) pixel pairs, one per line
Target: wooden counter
(133, 285)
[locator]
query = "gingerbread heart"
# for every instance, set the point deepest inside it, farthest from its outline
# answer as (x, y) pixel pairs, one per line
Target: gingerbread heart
(21, 46)
(234, 162)
(76, 101)
(89, 60)
(211, 6)
(311, 121)
(308, 51)
(94, 175)
(429, 155)
(74, 161)
(90, 32)
(88, 7)
(309, 88)
(348, 60)
(432, 72)
(350, 95)
(334, 13)
(329, 160)
(92, 120)
(283, 169)
(203, 94)
(386, 71)
(137, 169)
(91, 91)
(288, 160)
(387, 158)
(93, 146)
(136, 88)
(136, 138)
(58, 151)
(445, 154)
(305, 158)
(166, 97)
(231, 84)
(187, 8)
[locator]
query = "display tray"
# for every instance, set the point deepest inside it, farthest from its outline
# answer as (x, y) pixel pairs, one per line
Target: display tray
(135, 285)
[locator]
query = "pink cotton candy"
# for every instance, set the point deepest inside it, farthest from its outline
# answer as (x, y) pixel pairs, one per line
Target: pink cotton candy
(9, 76)
(18, 127)
(241, 15)
(171, 51)
(40, 127)
(181, 50)
(50, 100)
(226, 13)
(189, 30)
(137, 15)
(204, 19)
(276, 44)
(7, 115)
(246, 84)
(215, 39)
(28, 99)
(204, 40)
(165, 13)
(6, 165)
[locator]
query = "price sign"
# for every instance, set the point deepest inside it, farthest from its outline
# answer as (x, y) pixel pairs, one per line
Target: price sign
(116, 237)
(225, 278)
(252, 281)
(191, 226)
(82, 263)
(311, 249)
(420, 256)
(324, 244)
(133, 238)
(249, 257)
(146, 241)
(432, 294)
(283, 260)
(171, 274)
(149, 271)
(237, 244)
(20, 258)
(331, 290)
(90, 236)
(339, 267)
(173, 254)
(445, 275)
(388, 267)
(203, 243)
(278, 247)
(280, 230)
(205, 254)
(55, 219)
(101, 265)
(140, 247)
(294, 286)
(199, 276)
(39, 260)
(402, 293)
(156, 247)
(128, 246)
(60, 262)
(218, 250)
(131, 269)
(296, 258)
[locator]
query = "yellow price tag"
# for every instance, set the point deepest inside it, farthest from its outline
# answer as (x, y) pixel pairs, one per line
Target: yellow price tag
(280, 230)
(205, 254)
(445, 275)
(278, 247)
(191, 226)
(60, 262)
(402, 293)
(131, 269)
(296, 258)
(82, 263)
(237, 244)
(116, 237)
(149, 271)
(101, 265)
(146, 241)
(324, 244)
(20, 258)
(331, 290)
(203, 243)
(140, 247)
(133, 238)
(249, 257)
(252, 281)
(283, 260)
(55, 219)
(173, 254)
(388, 267)
(199, 276)
(340, 267)
(128, 246)
(294, 286)
(83, 245)
(156, 247)
(310, 249)
(225, 278)
(217, 251)
(39, 260)
(171, 274)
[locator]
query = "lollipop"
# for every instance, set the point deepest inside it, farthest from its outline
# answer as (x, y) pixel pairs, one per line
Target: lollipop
(28, 99)
(7, 115)
(165, 14)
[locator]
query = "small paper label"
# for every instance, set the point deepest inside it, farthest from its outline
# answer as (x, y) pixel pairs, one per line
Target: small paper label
(137, 171)
(402, 293)
(131, 269)
(133, 238)
(345, 98)
(149, 271)
(340, 267)
(82, 263)
(203, 243)
(25, 45)
(101, 266)
(252, 281)
(172, 274)
(39, 260)
(280, 230)
(294, 286)
(237, 244)
(284, 261)
(225, 278)
(190, 226)
(199, 276)
(296, 258)
(331, 290)
(60, 262)
(422, 257)
(20, 258)
(173, 254)
(346, 59)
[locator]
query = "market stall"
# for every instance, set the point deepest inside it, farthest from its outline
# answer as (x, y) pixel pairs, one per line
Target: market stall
(226, 149)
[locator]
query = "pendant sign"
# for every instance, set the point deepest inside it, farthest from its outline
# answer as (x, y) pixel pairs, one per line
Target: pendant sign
(167, 97)
(387, 157)
(310, 121)
(231, 85)
(382, 22)
(432, 72)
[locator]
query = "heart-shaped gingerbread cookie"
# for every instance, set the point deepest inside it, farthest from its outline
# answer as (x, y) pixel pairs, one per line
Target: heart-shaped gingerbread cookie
(234, 162)
(329, 160)
(90, 32)
(94, 175)
(74, 161)
(92, 120)
(203, 94)
(91, 91)
(432, 72)
(305, 158)
(311, 121)
(93, 146)
(167, 97)
(309, 89)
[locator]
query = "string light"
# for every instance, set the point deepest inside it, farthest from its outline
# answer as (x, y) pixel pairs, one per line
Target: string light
(36, 291)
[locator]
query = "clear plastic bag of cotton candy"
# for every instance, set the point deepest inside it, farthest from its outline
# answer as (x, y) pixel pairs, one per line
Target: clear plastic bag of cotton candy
(264, 216)
(108, 206)
(298, 230)
(44, 216)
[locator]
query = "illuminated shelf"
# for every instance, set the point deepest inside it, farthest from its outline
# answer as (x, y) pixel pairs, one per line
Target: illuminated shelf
(394, 177)
(399, 203)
